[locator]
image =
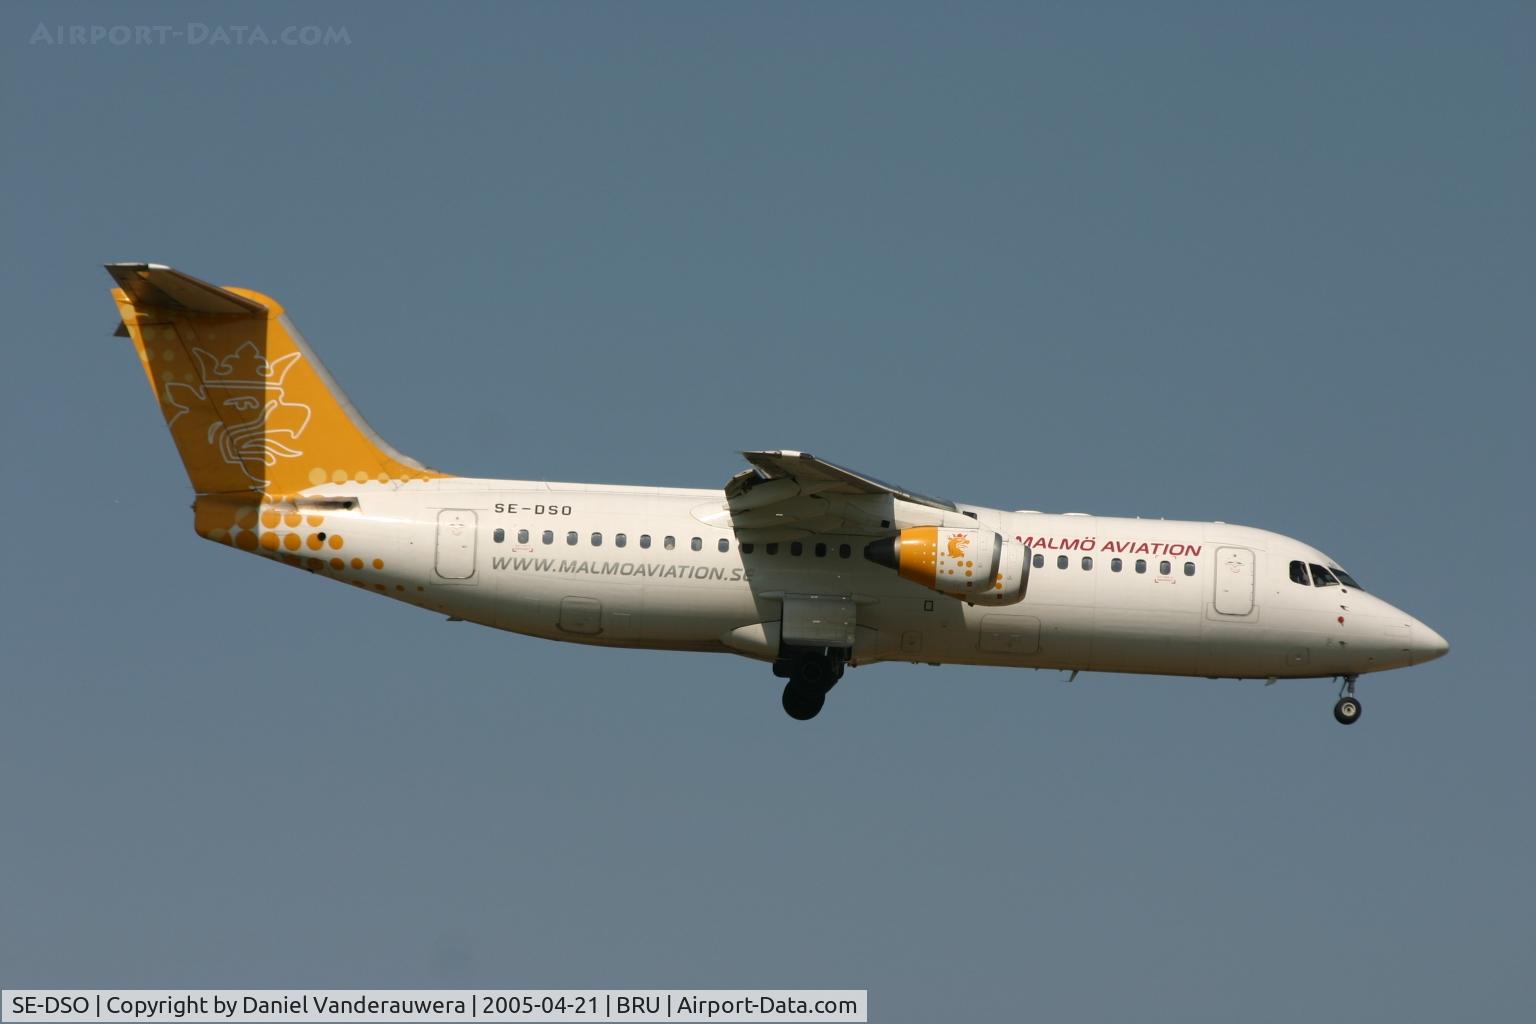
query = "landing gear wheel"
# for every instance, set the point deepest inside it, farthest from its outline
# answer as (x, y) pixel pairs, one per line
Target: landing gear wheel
(1346, 711)
(817, 673)
(802, 702)
(811, 674)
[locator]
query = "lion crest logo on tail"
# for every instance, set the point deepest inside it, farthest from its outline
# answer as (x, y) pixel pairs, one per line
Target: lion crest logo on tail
(253, 425)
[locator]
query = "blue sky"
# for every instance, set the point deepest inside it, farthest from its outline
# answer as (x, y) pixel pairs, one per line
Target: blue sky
(1263, 264)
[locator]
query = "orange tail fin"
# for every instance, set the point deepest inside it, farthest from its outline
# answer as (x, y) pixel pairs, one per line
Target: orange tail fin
(249, 406)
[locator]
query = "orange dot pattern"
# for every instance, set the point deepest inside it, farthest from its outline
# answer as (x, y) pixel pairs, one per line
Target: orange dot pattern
(917, 554)
(272, 525)
(929, 555)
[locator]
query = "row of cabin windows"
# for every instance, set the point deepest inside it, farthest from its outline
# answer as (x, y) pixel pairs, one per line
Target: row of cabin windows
(1164, 568)
(723, 545)
(620, 540)
(797, 548)
(1320, 576)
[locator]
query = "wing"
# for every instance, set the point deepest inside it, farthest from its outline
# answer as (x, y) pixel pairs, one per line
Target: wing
(818, 476)
(787, 494)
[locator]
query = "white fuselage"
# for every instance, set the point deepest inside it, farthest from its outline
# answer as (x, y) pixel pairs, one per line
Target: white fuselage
(796, 560)
(660, 568)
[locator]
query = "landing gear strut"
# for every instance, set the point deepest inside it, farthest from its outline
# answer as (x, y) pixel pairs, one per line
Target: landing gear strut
(811, 674)
(1347, 710)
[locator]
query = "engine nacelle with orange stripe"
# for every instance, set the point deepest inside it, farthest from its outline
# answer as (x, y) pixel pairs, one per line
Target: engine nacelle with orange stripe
(974, 565)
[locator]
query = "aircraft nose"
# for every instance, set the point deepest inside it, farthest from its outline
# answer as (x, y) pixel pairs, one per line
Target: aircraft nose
(1427, 645)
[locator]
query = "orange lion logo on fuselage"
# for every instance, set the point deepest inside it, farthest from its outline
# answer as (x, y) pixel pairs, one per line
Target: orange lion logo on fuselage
(957, 545)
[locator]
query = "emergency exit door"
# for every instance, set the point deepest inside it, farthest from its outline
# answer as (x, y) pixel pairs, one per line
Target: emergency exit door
(456, 528)
(1234, 581)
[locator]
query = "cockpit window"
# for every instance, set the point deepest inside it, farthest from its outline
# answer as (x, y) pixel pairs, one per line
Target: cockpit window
(1299, 573)
(1322, 577)
(1345, 578)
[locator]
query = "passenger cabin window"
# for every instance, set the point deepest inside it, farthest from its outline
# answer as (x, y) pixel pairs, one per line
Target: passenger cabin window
(1039, 561)
(1189, 568)
(597, 539)
(522, 536)
(697, 544)
(772, 549)
(747, 547)
(844, 551)
(796, 548)
(570, 538)
(1299, 573)
(1115, 565)
(1322, 577)
(1165, 568)
(1087, 562)
(724, 545)
(1061, 561)
(1141, 565)
(619, 540)
(669, 543)
(645, 540)
(499, 536)
(821, 551)
(549, 537)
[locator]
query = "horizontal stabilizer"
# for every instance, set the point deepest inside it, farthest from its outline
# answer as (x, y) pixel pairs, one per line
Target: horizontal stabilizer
(152, 286)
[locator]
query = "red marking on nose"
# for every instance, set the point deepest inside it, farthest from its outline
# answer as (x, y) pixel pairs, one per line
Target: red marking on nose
(1341, 620)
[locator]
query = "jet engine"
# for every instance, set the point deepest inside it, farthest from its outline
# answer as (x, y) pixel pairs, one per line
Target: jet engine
(977, 566)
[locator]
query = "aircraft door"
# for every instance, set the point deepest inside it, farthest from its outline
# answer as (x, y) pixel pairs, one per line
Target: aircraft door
(1234, 581)
(456, 528)
(581, 615)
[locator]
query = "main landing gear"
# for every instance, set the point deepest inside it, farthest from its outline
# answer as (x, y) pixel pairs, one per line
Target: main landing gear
(811, 674)
(1347, 710)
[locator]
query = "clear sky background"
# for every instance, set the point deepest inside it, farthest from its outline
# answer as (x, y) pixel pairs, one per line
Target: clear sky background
(1268, 264)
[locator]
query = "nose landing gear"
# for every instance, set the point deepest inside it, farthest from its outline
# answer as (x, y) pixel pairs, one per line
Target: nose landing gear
(810, 675)
(1347, 710)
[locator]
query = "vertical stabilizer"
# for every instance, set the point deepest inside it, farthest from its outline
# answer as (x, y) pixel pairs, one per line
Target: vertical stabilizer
(249, 406)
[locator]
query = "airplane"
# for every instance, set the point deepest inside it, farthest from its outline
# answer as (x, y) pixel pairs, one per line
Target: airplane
(796, 561)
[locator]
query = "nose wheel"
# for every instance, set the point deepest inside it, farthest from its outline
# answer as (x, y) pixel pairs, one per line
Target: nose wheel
(1347, 710)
